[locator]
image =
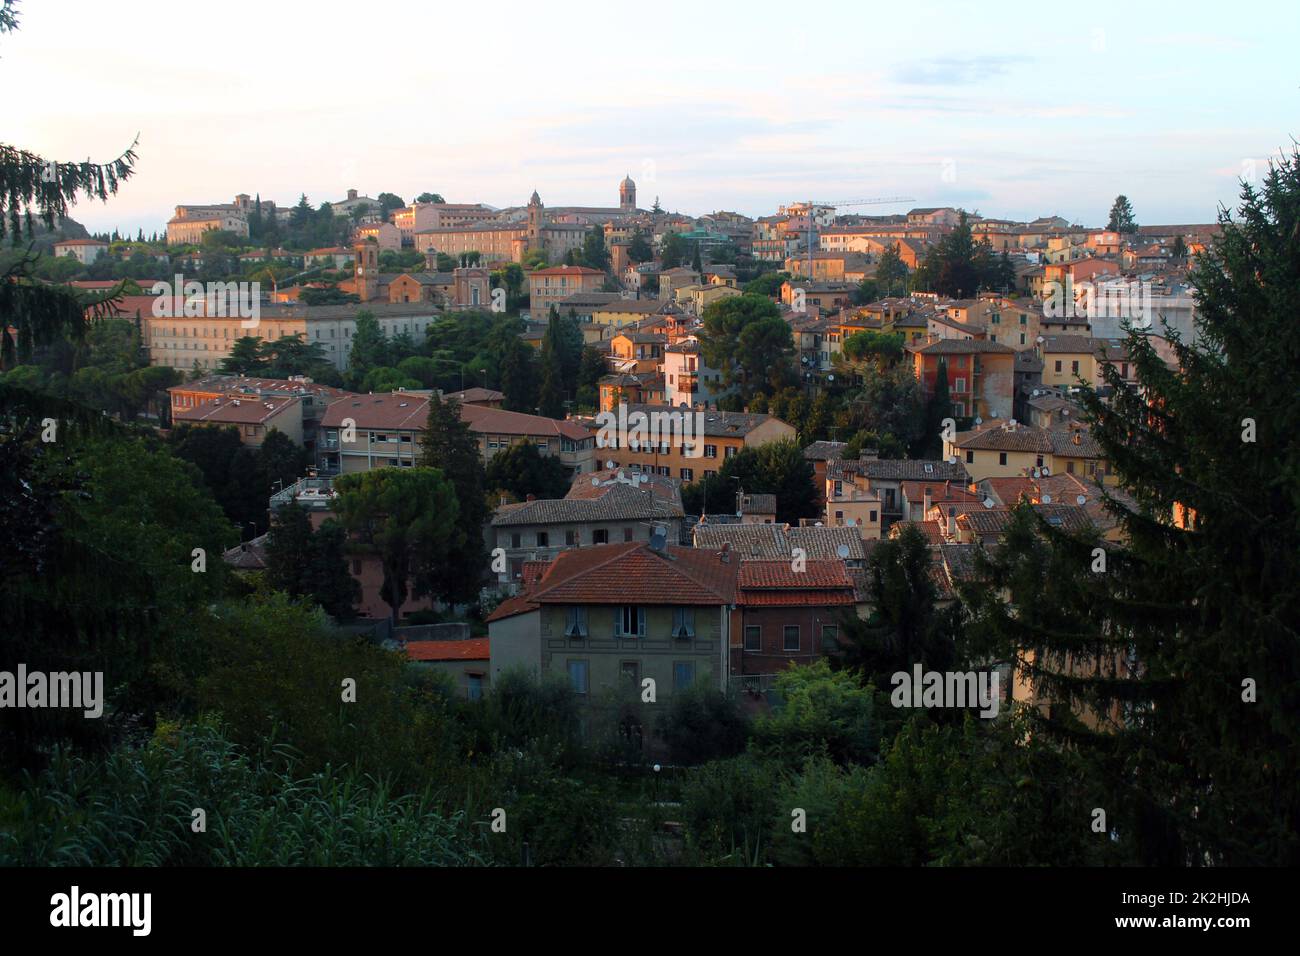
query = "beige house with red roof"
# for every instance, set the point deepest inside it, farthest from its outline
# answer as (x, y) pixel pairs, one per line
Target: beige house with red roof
(84, 251)
(254, 417)
(362, 432)
(547, 287)
(621, 613)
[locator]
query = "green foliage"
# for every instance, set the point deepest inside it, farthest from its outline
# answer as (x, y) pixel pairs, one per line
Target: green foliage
(746, 339)
(448, 444)
(768, 284)
(135, 808)
(404, 516)
(820, 713)
(1121, 217)
(311, 564)
(522, 470)
(702, 723)
(729, 808)
(777, 468)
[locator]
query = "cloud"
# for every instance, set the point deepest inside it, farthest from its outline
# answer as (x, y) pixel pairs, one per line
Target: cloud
(956, 71)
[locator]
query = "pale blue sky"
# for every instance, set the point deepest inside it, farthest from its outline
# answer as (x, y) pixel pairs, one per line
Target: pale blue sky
(1014, 109)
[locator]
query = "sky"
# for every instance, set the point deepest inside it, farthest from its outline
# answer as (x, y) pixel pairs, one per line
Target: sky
(1014, 110)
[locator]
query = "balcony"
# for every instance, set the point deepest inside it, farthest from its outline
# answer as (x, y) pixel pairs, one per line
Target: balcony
(313, 494)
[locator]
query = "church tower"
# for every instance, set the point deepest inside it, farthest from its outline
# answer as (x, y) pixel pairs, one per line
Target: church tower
(627, 195)
(366, 256)
(535, 222)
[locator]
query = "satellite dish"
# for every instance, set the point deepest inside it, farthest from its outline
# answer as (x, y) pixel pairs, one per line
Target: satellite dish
(619, 474)
(609, 464)
(1047, 472)
(842, 551)
(1038, 473)
(952, 459)
(978, 420)
(1047, 499)
(595, 482)
(1081, 499)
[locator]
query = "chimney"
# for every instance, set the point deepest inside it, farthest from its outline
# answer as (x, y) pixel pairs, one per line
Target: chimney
(531, 498)
(352, 194)
(725, 554)
(927, 501)
(952, 522)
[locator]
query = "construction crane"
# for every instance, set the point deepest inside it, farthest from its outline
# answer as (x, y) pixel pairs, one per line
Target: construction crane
(874, 201)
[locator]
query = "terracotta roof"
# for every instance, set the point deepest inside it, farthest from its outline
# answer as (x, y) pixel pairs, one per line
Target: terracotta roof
(817, 575)
(391, 410)
(929, 529)
(961, 347)
(498, 421)
(632, 573)
(247, 411)
(473, 649)
(521, 603)
(565, 271)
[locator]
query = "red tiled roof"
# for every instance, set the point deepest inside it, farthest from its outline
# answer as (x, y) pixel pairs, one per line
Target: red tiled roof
(248, 411)
(798, 598)
(512, 607)
(818, 574)
(498, 421)
(631, 573)
(565, 271)
(474, 649)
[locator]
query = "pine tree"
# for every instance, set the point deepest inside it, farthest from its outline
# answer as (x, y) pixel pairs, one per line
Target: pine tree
(448, 445)
(1173, 661)
(1121, 216)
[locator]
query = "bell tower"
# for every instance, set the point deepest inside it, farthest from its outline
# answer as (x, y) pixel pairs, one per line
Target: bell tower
(535, 222)
(627, 195)
(366, 258)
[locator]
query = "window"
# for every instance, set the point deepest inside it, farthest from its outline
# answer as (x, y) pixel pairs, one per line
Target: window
(970, 456)
(683, 622)
(600, 536)
(629, 621)
(571, 539)
(474, 686)
(688, 474)
(631, 671)
(575, 622)
(1074, 367)
(683, 674)
(578, 676)
(959, 385)
(710, 451)
(839, 489)
(873, 516)
(1058, 365)
(753, 637)
(516, 540)
(543, 539)
(1002, 458)
(1038, 461)
(730, 452)
(830, 638)
(627, 534)
(790, 637)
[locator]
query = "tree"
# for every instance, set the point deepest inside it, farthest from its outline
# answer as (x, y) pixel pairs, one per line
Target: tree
(311, 564)
(937, 408)
(1121, 216)
(905, 627)
(369, 346)
(448, 444)
(746, 339)
(388, 202)
(639, 250)
(1190, 632)
(768, 284)
(672, 250)
(430, 197)
(518, 364)
(406, 517)
(890, 404)
(594, 253)
(591, 369)
(891, 272)
(522, 470)
(696, 263)
(776, 468)
(245, 357)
